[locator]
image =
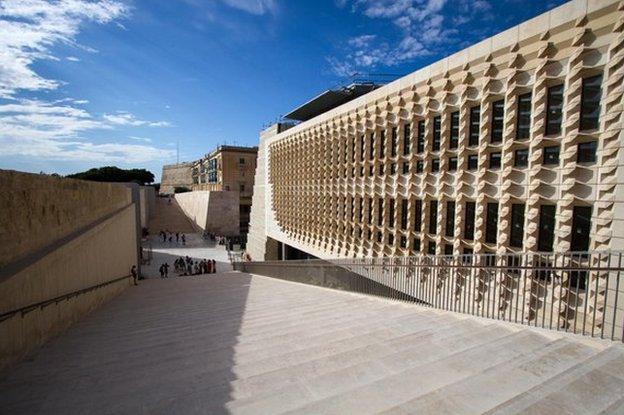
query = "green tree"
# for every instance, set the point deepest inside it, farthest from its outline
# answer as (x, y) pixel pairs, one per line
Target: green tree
(115, 174)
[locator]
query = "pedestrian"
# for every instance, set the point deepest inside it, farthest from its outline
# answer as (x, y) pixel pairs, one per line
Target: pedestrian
(189, 268)
(214, 266)
(177, 237)
(170, 238)
(164, 235)
(183, 239)
(162, 271)
(166, 270)
(135, 275)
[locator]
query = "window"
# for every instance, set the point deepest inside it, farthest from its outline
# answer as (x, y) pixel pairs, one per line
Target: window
(495, 160)
(420, 139)
(590, 103)
(581, 225)
(546, 235)
(551, 155)
(405, 168)
(370, 210)
(586, 152)
(431, 250)
(454, 136)
(521, 157)
(523, 128)
(498, 119)
(361, 148)
(382, 144)
(554, 108)
(379, 237)
(448, 249)
(404, 214)
(416, 245)
(419, 167)
(379, 211)
(473, 131)
(517, 225)
(242, 187)
(433, 216)
(381, 169)
(393, 142)
(241, 161)
(391, 213)
(469, 221)
(391, 239)
(403, 242)
(435, 145)
(491, 223)
(435, 165)
(371, 146)
(450, 219)
(393, 169)
(417, 215)
(472, 162)
(406, 139)
(452, 163)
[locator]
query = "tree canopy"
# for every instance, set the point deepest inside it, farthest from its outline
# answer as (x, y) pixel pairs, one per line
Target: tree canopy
(115, 174)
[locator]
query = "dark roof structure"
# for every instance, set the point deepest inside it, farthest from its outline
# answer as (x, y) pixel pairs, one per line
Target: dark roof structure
(330, 99)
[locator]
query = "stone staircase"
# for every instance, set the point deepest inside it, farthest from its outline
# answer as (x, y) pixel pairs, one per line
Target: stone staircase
(242, 344)
(169, 216)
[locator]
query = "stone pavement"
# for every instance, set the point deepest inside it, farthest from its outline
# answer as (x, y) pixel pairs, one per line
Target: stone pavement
(236, 343)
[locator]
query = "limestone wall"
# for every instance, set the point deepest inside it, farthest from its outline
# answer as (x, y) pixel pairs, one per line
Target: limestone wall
(148, 204)
(176, 175)
(212, 211)
(84, 248)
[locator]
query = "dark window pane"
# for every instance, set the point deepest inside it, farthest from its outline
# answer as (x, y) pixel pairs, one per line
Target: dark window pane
(382, 144)
(403, 241)
(581, 225)
(452, 163)
(406, 139)
(448, 249)
(432, 248)
(362, 148)
(437, 125)
(419, 167)
(393, 142)
(371, 146)
(546, 228)
(435, 165)
(472, 162)
(586, 152)
(391, 213)
(404, 214)
(491, 224)
(495, 160)
(551, 155)
(521, 158)
(523, 129)
(554, 110)
(475, 120)
(379, 212)
(417, 215)
(590, 103)
(405, 168)
(450, 219)
(433, 216)
(416, 245)
(420, 140)
(469, 220)
(517, 225)
(454, 138)
(498, 119)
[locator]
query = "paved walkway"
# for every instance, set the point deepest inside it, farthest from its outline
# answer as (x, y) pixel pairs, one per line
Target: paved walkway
(235, 343)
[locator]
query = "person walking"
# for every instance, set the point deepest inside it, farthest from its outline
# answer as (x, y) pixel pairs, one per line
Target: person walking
(135, 275)
(214, 266)
(166, 266)
(183, 239)
(162, 271)
(177, 237)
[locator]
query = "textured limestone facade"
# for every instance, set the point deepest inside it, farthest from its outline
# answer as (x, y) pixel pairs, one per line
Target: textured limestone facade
(212, 211)
(176, 175)
(374, 177)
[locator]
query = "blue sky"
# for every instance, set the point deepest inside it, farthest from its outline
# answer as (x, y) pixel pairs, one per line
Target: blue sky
(120, 82)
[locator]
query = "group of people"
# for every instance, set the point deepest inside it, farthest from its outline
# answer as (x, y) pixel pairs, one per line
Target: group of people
(169, 236)
(188, 266)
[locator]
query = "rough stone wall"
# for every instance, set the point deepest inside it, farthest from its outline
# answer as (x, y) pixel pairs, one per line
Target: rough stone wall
(148, 204)
(38, 209)
(83, 248)
(212, 211)
(176, 175)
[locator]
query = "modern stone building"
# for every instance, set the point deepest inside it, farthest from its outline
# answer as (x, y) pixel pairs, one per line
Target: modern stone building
(228, 168)
(176, 175)
(511, 145)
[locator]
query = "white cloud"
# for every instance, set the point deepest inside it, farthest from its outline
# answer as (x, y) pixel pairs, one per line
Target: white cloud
(144, 139)
(421, 25)
(73, 59)
(126, 118)
(29, 28)
(257, 7)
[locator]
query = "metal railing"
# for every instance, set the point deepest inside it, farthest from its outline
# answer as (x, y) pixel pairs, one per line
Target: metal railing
(43, 304)
(573, 292)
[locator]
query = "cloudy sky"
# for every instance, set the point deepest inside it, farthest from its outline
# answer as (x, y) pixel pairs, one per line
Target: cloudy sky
(87, 83)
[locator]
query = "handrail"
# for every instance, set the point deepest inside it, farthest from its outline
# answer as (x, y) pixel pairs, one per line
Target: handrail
(577, 292)
(42, 304)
